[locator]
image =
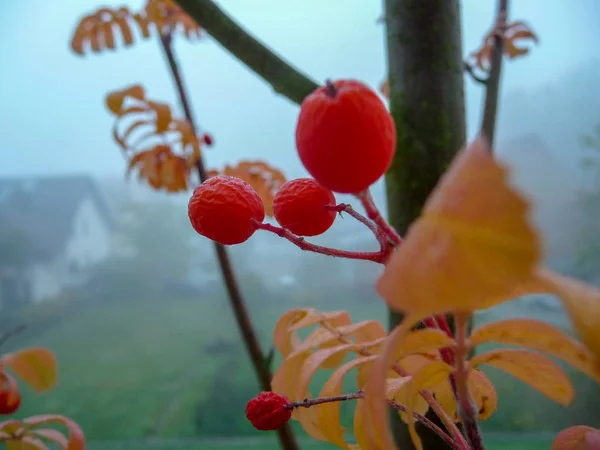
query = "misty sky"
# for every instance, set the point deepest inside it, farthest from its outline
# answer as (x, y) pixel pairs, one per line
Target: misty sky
(52, 102)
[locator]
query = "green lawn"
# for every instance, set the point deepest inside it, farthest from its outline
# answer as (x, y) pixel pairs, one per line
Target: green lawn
(175, 368)
(511, 442)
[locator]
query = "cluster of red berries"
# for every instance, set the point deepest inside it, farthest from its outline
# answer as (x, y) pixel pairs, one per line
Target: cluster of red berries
(346, 140)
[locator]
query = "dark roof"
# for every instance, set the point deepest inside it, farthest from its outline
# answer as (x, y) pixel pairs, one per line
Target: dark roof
(43, 208)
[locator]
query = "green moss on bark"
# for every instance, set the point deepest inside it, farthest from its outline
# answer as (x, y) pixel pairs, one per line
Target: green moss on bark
(427, 102)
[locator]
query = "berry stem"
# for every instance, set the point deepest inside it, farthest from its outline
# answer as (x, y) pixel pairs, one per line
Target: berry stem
(307, 403)
(373, 213)
(330, 89)
(378, 257)
(348, 209)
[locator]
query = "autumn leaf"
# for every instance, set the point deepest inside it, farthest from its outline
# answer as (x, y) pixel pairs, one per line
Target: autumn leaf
(426, 378)
(98, 30)
(532, 368)
(167, 17)
(27, 434)
(582, 303)
(376, 434)
(539, 336)
(578, 437)
(328, 414)
(513, 34)
(471, 246)
(384, 88)
(35, 366)
(162, 148)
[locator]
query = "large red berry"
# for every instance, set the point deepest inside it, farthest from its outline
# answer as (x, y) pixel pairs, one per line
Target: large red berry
(9, 401)
(300, 206)
(225, 209)
(268, 411)
(345, 136)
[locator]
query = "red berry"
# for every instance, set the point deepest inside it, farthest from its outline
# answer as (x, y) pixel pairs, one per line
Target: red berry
(9, 401)
(226, 210)
(345, 136)
(268, 411)
(208, 140)
(300, 206)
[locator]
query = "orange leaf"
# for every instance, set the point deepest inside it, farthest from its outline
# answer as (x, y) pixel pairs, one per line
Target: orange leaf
(36, 366)
(384, 88)
(582, 303)
(532, 368)
(483, 394)
(114, 100)
(377, 434)
(328, 414)
(163, 115)
(574, 438)
(539, 336)
(471, 246)
(76, 439)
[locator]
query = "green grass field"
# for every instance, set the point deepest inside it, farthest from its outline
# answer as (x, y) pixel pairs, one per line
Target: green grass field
(175, 368)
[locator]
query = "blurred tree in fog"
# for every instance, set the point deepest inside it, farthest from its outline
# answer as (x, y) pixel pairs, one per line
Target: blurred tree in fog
(588, 263)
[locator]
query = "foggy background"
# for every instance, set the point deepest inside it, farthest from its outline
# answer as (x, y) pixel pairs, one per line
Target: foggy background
(136, 312)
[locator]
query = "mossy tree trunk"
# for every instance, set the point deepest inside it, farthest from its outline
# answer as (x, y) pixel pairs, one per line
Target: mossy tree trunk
(424, 47)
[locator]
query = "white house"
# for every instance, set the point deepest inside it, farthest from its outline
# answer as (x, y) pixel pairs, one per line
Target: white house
(64, 227)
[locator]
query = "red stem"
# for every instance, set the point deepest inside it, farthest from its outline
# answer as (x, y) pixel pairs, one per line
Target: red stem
(378, 257)
(373, 213)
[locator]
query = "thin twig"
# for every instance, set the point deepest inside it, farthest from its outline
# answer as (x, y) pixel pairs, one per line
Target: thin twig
(10, 333)
(490, 108)
(471, 71)
(466, 409)
(379, 234)
(237, 303)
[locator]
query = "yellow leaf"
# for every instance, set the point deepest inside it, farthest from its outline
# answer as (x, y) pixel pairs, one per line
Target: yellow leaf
(396, 389)
(76, 438)
(471, 246)
(54, 436)
(35, 366)
(358, 426)
(483, 394)
(306, 416)
(573, 438)
(424, 340)
(26, 443)
(532, 368)
(426, 378)
(582, 303)
(284, 340)
(539, 336)
(377, 434)
(328, 414)
(114, 100)
(163, 116)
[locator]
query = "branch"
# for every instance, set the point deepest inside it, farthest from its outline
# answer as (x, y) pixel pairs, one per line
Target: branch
(10, 333)
(490, 109)
(285, 79)
(471, 71)
(236, 300)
